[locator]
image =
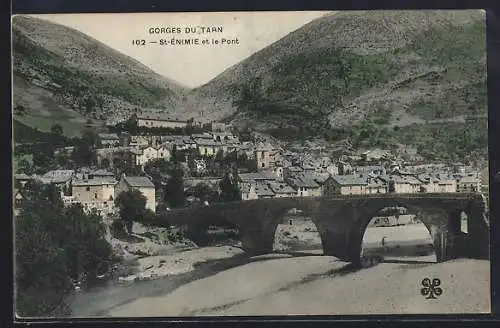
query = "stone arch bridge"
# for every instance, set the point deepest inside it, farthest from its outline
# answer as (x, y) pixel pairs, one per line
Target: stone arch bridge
(341, 221)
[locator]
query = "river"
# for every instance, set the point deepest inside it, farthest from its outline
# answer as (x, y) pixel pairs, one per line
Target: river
(304, 241)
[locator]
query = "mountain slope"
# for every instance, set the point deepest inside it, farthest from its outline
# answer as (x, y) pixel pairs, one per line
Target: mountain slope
(61, 74)
(393, 68)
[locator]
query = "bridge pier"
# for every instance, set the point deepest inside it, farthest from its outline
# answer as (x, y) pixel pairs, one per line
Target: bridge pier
(478, 232)
(257, 242)
(341, 221)
(198, 234)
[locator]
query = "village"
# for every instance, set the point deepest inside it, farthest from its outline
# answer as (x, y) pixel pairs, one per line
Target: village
(263, 169)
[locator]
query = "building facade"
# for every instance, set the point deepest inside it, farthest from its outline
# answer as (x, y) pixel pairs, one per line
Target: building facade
(265, 157)
(140, 183)
(153, 120)
(468, 184)
(345, 185)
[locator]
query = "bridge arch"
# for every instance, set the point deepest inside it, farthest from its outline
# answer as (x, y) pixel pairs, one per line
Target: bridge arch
(202, 231)
(441, 218)
(286, 214)
(434, 220)
(342, 220)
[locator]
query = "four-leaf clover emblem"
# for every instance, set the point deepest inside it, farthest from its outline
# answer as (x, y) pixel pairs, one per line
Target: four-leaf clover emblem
(431, 288)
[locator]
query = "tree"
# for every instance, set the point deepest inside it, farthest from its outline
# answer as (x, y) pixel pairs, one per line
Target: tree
(232, 157)
(242, 160)
(174, 189)
(132, 207)
(57, 138)
(204, 192)
(24, 166)
(54, 245)
(84, 153)
(219, 156)
(57, 130)
(19, 110)
(178, 156)
(158, 165)
(229, 188)
(43, 157)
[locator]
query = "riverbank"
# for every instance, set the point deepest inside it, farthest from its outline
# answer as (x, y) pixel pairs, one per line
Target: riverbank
(152, 268)
(149, 253)
(321, 285)
(146, 256)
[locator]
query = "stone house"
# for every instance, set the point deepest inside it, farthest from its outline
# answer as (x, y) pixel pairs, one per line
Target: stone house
(206, 147)
(468, 184)
(401, 184)
(263, 191)
(59, 178)
(446, 185)
(219, 127)
(332, 169)
(93, 193)
(280, 167)
(138, 141)
(100, 173)
(94, 189)
(305, 185)
(247, 191)
(290, 171)
(429, 183)
(371, 169)
(437, 183)
(265, 156)
(158, 120)
(109, 140)
(320, 179)
(163, 152)
(374, 155)
(344, 168)
(267, 176)
(345, 185)
(375, 186)
(281, 189)
(145, 155)
(189, 143)
(141, 183)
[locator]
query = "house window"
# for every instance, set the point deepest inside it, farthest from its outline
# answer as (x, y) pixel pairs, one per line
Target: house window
(95, 195)
(263, 164)
(262, 155)
(88, 188)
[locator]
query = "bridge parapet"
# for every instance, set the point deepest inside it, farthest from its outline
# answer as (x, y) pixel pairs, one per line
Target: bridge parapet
(342, 219)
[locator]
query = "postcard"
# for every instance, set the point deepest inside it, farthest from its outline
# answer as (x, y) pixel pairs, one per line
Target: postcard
(250, 164)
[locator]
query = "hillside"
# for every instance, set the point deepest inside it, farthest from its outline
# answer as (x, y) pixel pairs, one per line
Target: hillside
(62, 75)
(390, 68)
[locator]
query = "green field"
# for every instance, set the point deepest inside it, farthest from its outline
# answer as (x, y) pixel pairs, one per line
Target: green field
(43, 124)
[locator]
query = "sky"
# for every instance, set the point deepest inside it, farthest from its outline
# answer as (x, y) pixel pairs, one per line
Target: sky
(190, 65)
